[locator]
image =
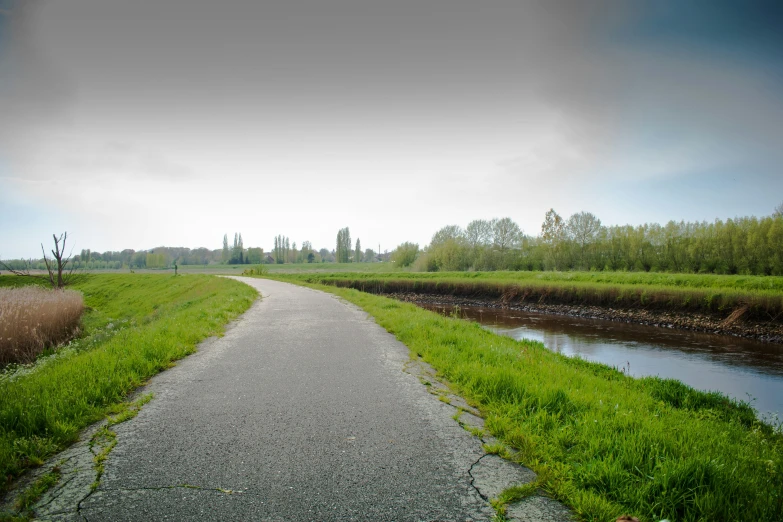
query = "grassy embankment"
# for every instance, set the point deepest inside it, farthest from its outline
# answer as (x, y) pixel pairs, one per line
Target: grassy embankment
(712, 294)
(135, 326)
(601, 441)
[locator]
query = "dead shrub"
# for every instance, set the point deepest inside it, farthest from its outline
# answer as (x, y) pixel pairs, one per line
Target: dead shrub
(33, 319)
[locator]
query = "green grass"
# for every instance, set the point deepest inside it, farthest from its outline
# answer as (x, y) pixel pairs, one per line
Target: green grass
(298, 268)
(604, 443)
(710, 281)
(136, 325)
(37, 489)
(287, 268)
(714, 294)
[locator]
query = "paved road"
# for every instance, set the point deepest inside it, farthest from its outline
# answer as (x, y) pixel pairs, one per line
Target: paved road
(300, 412)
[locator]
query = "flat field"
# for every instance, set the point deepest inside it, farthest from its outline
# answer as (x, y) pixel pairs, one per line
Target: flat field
(761, 296)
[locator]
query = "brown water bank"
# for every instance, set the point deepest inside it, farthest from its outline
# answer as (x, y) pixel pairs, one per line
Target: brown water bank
(734, 325)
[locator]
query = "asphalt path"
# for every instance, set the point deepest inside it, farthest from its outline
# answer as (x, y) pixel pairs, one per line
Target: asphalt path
(302, 411)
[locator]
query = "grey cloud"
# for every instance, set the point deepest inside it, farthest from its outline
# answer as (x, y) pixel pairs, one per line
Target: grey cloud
(196, 63)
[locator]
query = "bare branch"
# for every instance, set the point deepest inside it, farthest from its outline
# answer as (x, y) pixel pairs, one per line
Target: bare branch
(56, 268)
(48, 267)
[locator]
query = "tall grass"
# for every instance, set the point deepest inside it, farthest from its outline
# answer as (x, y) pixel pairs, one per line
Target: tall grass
(708, 295)
(603, 442)
(33, 318)
(136, 326)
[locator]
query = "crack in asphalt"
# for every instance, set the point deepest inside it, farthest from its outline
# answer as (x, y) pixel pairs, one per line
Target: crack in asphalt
(473, 479)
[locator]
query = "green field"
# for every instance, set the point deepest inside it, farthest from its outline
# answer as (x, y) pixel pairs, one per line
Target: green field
(715, 294)
(604, 443)
(662, 280)
(293, 268)
(136, 325)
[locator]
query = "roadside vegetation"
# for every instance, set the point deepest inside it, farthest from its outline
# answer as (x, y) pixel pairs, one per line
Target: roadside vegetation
(33, 319)
(135, 326)
(760, 297)
(603, 442)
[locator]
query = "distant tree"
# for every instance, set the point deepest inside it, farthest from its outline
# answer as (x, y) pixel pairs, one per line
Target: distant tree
(326, 255)
(553, 227)
(343, 250)
(310, 257)
(479, 233)
(405, 254)
(583, 228)
(506, 234)
(357, 253)
(449, 232)
(226, 255)
(280, 252)
(369, 256)
(778, 210)
(553, 235)
(255, 255)
(139, 260)
(304, 253)
(156, 260)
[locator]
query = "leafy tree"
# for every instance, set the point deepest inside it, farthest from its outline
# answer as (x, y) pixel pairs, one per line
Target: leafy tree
(778, 211)
(304, 254)
(583, 228)
(449, 232)
(553, 237)
(238, 250)
(506, 234)
(405, 254)
(156, 260)
(280, 252)
(479, 233)
(226, 255)
(343, 248)
(357, 253)
(255, 255)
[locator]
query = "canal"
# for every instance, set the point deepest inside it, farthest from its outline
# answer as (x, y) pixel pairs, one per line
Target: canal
(745, 370)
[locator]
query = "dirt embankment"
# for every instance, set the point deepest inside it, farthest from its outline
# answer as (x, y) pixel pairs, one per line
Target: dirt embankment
(735, 324)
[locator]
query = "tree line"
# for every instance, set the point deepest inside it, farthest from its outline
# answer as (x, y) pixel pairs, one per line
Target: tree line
(743, 245)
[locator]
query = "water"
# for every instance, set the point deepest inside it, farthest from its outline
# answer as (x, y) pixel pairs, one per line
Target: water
(740, 368)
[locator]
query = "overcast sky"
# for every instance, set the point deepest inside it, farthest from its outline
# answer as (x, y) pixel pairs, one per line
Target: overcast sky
(135, 124)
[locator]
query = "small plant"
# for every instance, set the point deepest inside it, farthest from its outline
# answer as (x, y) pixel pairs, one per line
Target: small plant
(31, 495)
(258, 270)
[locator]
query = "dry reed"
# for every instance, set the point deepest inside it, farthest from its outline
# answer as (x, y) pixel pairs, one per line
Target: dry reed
(33, 319)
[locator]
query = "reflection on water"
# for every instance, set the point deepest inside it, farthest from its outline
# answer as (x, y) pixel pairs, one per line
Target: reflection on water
(740, 368)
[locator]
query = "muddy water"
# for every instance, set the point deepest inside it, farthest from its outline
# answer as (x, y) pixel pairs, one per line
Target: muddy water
(743, 369)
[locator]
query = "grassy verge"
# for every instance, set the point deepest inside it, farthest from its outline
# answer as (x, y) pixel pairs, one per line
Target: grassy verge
(761, 297)
(604, 443)
(135, 326)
